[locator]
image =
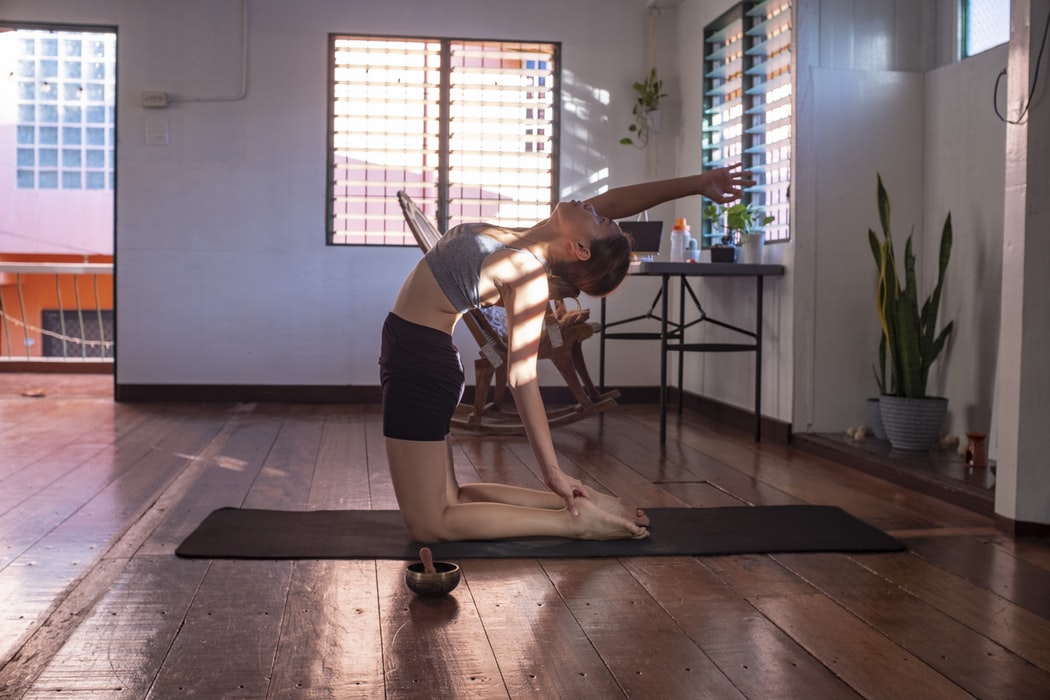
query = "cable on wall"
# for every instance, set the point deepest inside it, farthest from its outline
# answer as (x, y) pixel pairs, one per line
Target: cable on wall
(244, 68)
(1035, 79)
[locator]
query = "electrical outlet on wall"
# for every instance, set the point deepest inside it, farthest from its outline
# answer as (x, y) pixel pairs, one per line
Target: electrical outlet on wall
(154, 99)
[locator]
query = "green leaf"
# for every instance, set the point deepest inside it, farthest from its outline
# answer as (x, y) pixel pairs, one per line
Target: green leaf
(880, 368)
(909, 333)
(883, 201)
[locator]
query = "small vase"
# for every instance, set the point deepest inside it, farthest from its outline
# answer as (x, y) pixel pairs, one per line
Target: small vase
(655, 120)
(751, 248)
(976, 451)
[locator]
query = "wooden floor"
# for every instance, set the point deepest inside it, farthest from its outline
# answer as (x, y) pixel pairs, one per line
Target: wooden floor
(94, 496)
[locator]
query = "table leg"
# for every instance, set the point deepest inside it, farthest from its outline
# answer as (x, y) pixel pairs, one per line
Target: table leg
(601, 351)
(758, 362)
(681, 341)
(663, 359)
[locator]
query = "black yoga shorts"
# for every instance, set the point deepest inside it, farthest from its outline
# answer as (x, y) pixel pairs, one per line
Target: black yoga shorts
(422, 377)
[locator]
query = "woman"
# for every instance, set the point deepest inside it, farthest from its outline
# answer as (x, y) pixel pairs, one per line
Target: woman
(479, 265)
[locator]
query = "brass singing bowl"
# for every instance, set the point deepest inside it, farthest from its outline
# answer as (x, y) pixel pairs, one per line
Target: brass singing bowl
(441, 582)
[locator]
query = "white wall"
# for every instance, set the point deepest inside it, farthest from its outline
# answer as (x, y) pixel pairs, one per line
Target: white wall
(223, 275)
(871, 98)
(855, 142)
(965, 147)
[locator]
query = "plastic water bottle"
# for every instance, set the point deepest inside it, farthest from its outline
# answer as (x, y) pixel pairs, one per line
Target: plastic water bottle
(679, 240)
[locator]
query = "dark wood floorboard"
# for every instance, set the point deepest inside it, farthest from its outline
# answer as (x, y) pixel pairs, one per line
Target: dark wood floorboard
(94, 497)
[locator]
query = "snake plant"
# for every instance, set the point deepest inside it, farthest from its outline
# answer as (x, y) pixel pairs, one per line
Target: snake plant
(909, 336)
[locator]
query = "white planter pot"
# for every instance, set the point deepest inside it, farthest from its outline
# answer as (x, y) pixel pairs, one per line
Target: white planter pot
(875, 418)
(751, 248)
(912, 424)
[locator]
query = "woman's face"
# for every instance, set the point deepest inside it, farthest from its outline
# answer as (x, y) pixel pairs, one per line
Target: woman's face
(579, 219)
(592, 253)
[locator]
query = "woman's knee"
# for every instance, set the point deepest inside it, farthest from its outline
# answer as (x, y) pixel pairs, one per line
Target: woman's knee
(424, 529)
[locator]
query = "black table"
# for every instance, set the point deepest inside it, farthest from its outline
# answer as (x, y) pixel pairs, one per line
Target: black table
(672, 334)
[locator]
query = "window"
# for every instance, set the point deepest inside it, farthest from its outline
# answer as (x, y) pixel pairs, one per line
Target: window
(66, 89)
(468, 128)
(983, 24)
(748, 104)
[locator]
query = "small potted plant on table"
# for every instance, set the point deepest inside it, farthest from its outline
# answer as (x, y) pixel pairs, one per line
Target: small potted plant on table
(742, 224)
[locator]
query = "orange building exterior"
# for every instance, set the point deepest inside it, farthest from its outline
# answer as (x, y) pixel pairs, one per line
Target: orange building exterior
(25, 297)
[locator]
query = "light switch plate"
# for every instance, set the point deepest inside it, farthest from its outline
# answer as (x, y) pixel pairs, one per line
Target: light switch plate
(158, 132)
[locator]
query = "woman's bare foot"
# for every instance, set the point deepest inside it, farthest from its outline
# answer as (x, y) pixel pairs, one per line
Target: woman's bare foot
(596, 524)
(619, 507)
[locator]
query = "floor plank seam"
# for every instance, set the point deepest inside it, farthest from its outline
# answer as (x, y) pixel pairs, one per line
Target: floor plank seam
(100, 576)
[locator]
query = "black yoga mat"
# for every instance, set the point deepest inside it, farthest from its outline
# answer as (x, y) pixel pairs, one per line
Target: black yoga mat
(232, 533)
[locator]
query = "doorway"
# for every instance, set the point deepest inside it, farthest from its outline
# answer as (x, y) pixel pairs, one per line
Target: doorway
(57, 185)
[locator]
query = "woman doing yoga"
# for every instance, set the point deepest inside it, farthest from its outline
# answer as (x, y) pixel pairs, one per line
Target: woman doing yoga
(477, 265)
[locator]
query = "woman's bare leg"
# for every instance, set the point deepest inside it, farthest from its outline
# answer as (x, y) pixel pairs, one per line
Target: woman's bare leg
(620, 507)
(425, 487)
(489, 492)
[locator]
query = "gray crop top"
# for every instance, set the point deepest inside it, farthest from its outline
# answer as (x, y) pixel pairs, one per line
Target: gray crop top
(456, 260)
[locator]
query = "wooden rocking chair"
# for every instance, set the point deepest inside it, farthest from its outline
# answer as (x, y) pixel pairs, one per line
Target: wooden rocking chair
(565, 331)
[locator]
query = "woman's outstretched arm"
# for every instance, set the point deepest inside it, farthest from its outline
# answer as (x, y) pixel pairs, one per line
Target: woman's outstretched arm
(720, 185)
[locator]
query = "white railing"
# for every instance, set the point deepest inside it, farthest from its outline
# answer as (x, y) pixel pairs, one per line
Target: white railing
(79, 332)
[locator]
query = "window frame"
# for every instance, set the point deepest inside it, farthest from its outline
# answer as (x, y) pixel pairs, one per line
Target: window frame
(753, 109)
(966, 27)
(72, 159)
(437, 209)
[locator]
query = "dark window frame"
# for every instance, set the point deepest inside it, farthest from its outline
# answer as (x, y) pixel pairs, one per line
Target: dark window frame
(745, 26)
(437, 195)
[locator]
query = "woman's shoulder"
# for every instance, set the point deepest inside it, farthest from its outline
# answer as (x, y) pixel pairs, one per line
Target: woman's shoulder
(460, 229)
(471, 235)
(482, 236)
(477, 228)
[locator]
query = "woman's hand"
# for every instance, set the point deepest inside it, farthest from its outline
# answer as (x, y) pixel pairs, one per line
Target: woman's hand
(724, 185)
(568, 488)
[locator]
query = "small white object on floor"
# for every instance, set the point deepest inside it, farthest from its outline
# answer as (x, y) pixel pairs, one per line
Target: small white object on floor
(857, 432)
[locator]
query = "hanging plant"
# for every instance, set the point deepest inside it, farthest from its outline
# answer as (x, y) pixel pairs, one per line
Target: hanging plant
(648, 94)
